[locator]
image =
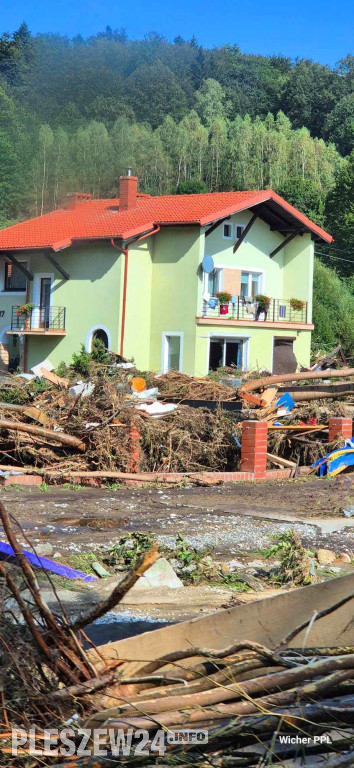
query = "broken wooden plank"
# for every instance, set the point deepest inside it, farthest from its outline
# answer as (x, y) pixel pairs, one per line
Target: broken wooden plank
(53, 378)
(280, 461)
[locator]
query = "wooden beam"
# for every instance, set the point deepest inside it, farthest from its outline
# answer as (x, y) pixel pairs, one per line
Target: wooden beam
(215, 225)
(285, 242)
(245, 232)
(19, 266)
(56, 265)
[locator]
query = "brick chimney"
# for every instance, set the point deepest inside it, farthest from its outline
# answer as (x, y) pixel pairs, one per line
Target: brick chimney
(77, 198)
(128, 188)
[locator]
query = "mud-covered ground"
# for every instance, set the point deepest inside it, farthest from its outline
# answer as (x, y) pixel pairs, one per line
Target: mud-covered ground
(234, 520)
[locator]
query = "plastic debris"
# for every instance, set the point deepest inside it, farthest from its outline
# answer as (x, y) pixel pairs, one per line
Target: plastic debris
(44, 562)
(286, 401)
(157, 410)
(81, 388)
(348, 512)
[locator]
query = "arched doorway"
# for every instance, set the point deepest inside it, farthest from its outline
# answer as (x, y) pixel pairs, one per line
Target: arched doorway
(98, 332)
(101, 335)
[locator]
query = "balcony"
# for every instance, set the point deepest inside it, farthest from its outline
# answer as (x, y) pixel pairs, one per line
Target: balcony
(247, 310)
(38, 321)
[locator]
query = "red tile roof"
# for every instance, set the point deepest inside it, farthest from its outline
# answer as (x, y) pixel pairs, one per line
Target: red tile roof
(101, 219)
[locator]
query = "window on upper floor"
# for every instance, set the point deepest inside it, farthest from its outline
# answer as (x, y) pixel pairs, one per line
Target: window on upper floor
(239, 229)
(15, 280)
(227, 230)
(212, 282)
(250, 284)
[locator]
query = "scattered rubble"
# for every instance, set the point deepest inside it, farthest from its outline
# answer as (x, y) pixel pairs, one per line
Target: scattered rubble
(241, 693)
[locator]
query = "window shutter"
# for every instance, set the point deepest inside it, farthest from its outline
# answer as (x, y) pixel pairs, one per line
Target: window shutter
(232, 281)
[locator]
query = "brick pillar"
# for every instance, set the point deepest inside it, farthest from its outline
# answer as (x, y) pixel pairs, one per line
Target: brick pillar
(134, 448)
(254, 447)
(340, 427)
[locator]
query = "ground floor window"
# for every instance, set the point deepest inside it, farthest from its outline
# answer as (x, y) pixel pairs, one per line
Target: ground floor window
(172, 352)
(226, 351)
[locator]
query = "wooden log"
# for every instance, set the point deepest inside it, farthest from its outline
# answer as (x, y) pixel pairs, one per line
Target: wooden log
(59, 437)
(265, 381)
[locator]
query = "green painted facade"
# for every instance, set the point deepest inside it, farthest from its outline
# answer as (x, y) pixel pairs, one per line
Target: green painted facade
(165, 295)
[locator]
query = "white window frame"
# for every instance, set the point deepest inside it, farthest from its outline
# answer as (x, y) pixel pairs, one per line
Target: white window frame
(164, 350)
(2, 279)
(244, 338)
(254, 271)
(89, 337)
(227, 224)
(220, 280)
(36, 295)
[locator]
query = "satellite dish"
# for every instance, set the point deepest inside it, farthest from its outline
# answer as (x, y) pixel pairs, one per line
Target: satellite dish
(208, 264)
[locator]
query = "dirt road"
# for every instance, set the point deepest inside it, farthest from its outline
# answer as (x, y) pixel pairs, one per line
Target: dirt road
(235, 520)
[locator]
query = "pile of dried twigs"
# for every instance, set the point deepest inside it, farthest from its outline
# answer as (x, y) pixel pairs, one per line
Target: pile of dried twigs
(245, 695)
(180, 386)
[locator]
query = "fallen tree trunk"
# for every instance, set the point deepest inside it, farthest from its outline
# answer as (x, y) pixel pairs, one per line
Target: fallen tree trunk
(321, 392)
(59, 437)
(265, 381)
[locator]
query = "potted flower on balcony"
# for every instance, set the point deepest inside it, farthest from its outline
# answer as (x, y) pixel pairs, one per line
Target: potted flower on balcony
(223, 298)
(23, 313)
(297, 305)
(263, 302)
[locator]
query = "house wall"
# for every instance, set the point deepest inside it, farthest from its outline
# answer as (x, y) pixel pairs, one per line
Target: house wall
(260, 345)
(298, 271)
(139, 299)
(177, 254)
(91, 297)
(253, 253)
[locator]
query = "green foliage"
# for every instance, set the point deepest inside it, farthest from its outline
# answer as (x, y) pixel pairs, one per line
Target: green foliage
(339, 212)
(295, 565)
(16, 395)
(191, 187)
(128, 550)
(333, 310)
(81, 361)
(99, 353)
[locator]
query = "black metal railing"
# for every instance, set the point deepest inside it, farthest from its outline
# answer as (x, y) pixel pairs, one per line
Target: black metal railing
(37, 318)
(245, 308)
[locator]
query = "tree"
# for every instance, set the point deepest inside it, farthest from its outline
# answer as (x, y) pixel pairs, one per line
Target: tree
(333, 310)
(339, 125)
(339, 213)
(191, 187)
(153, 91)
(210, 102)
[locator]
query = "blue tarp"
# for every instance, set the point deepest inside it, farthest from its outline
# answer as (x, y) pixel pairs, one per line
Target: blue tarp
(49, 565)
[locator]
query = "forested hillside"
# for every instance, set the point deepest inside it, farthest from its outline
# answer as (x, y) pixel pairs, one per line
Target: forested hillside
(75, 113)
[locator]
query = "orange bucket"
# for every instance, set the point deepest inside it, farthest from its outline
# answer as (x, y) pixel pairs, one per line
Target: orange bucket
(138, 384)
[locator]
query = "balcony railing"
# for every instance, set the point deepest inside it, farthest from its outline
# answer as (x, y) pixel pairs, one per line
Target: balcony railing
(245, 308)
(38, 319)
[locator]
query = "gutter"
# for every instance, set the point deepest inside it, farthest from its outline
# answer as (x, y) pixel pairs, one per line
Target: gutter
(125, 279)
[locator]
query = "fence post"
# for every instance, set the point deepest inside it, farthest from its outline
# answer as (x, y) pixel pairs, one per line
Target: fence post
(254, 448)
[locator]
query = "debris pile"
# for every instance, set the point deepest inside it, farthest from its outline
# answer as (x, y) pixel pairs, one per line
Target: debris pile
(102, 415)
(241, 694)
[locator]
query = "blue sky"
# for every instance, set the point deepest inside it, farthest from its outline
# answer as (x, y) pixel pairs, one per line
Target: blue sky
(322, 31)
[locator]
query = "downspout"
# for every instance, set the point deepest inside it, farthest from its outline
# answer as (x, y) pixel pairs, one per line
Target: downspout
(125, 279)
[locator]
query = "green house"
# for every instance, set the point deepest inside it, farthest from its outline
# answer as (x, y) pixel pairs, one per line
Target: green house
(143, 274)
